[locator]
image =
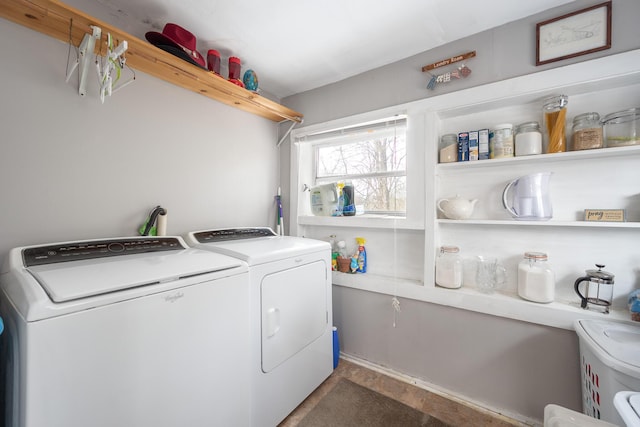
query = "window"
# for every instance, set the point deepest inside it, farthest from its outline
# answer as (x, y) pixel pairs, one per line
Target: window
(372, 157)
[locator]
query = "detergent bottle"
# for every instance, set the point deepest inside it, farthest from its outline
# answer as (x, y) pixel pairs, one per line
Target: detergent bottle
(362, 255)
(324, 200)
(349, 204)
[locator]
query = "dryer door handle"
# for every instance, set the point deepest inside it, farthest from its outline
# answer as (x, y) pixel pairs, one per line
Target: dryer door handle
(273, 321)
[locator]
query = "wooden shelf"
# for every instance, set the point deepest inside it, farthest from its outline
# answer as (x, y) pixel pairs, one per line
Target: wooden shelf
(58, 20)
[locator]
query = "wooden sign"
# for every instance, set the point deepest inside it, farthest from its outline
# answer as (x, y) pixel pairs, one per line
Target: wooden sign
(449, 61)
(613, 215)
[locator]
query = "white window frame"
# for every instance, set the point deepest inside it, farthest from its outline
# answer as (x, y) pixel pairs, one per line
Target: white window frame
(303, 173)
(381, 129)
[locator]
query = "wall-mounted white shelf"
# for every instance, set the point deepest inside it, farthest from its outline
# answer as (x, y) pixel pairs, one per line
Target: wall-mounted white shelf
(546, 159)
(559, 314)
(550, 223)
(604, 178)
(361, 221)
(373, 282)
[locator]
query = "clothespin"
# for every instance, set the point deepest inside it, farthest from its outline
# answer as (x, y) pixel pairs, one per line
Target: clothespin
(432, 82)
(109, 73)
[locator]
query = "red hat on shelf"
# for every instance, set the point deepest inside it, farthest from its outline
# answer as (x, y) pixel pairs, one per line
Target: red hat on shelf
(177, 41)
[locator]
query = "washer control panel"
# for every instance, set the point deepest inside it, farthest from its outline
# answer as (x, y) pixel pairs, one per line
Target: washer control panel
(91, 249)
(226, 234)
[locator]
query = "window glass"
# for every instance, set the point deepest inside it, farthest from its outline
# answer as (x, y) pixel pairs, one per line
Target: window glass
(372, 158)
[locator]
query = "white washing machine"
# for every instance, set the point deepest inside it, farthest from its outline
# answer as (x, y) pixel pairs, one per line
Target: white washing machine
(139, 331)
(292, 314)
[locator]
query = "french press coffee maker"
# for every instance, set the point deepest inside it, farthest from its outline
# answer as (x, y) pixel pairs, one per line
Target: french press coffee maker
(598, 291)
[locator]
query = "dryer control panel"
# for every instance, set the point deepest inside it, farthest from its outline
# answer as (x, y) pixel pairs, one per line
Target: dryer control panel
(91, 249)
(225, 234)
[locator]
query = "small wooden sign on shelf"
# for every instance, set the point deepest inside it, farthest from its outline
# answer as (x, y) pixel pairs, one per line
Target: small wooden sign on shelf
(605, 215)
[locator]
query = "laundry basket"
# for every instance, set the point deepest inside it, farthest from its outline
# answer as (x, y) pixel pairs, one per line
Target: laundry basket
(609, 362)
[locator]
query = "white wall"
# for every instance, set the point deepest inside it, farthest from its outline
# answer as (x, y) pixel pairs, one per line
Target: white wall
(73, 168)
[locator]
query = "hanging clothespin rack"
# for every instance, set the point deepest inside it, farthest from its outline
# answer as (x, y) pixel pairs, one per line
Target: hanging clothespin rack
(460, 72)
(108, 68)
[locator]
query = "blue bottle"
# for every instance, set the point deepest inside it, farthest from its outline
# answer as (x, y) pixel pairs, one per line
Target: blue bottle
(362, 255)
(349, 208)
(336, 348)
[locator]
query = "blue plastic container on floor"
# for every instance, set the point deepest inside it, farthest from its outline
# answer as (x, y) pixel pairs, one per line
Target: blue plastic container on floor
(336, 348)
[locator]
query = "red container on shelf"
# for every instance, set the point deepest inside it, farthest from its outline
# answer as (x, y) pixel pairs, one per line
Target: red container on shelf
(213, 61)
(234, 71)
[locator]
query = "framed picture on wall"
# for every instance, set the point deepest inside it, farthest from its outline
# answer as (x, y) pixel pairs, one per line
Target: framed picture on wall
(574, 34)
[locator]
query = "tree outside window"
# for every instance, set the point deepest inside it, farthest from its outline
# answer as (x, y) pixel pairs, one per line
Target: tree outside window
(374, 161)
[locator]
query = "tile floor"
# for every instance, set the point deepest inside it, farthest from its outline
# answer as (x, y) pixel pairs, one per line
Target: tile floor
(447, 410)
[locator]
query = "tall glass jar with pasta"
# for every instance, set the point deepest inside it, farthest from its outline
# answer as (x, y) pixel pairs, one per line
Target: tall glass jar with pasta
(555, 116)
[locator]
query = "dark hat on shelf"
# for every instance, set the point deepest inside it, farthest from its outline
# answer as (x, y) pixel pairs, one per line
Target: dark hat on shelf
(177, 41)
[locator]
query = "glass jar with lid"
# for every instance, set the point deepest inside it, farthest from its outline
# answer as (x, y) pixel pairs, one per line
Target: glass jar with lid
(449, 267)
(587, 132)
(528, 139)
(449, 148)
(536, 280)
(501, 141)
(622, 128)
(555, 115)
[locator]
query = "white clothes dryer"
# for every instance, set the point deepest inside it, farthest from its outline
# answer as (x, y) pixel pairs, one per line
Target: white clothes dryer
(140, 331)
(292, 314)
